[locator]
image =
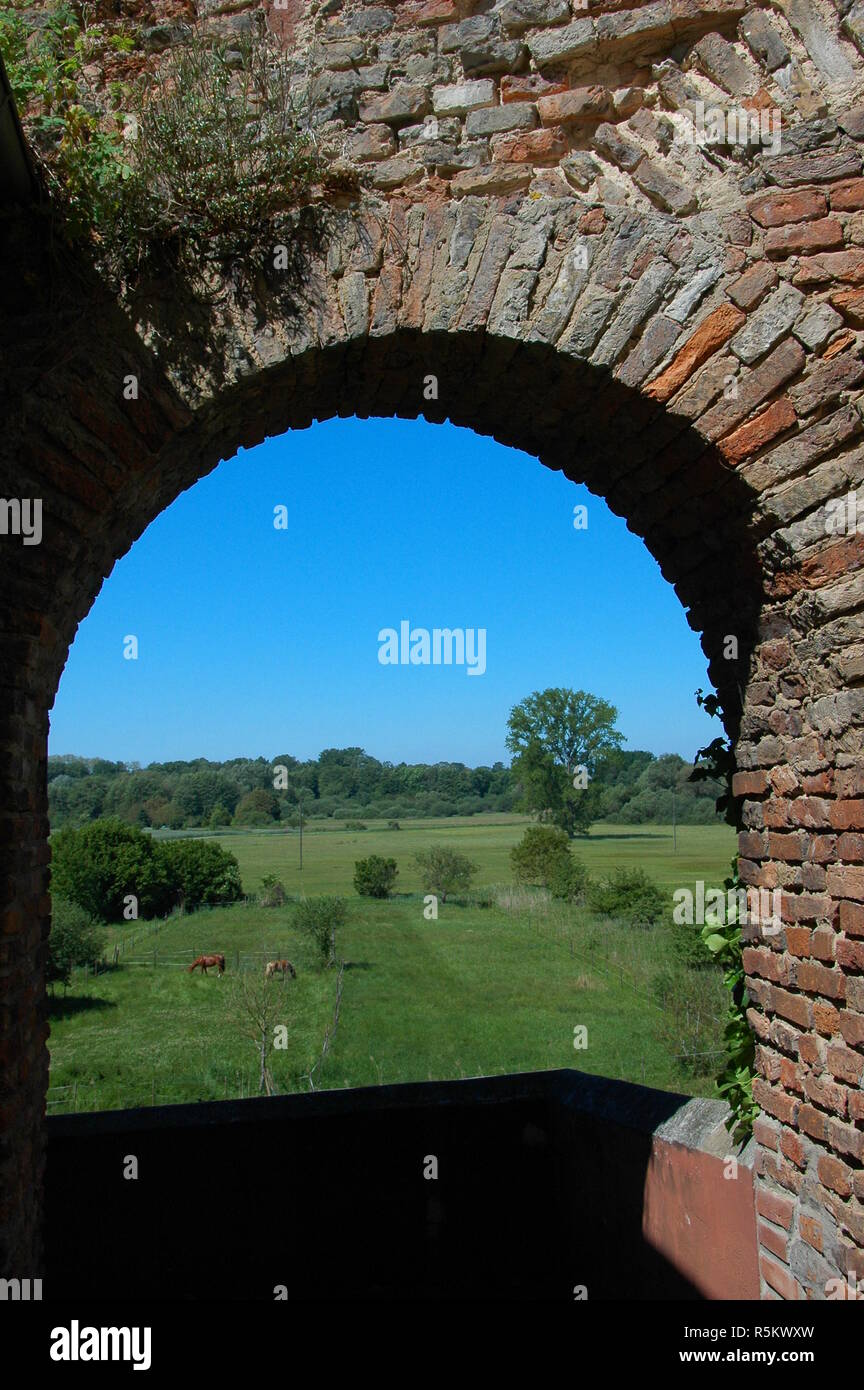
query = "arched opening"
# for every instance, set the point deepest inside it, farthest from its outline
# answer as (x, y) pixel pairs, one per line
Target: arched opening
(247, 621)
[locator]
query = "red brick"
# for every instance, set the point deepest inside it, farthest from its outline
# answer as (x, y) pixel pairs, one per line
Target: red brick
(850, 846)
(749, 784)
(796, 205)
(811, 1050)
(794, 1007)
(792, 1147)
(773, 1240)
(798, 941)
(831, 265)
(845, 1065)
(753, 285)
(812, 1121)
(846, 881)
(575, 106)
(785, 847)
(752, 436)
(711, 334)
(852, 918)
(826, 1019)
(835, 1174)
(811, 1231)
(529, 87)
(846, 1139)
(818, 979)
(779, 1278)
(852, 1027)
(806, 907)
(823, 944)
(813, 812)
(826, 1094)
(848, 195)
(850, 303)
(847, 815)
(530, 146)
(851, 954)
(784, 1107)
(775, 1207)
(826, 235)
(766, 1131)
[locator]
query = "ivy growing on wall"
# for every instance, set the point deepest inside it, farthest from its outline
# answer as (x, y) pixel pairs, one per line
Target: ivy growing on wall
(723, 940)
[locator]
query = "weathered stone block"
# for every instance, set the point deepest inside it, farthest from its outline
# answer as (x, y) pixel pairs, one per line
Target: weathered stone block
(493, 120)
(462, 97)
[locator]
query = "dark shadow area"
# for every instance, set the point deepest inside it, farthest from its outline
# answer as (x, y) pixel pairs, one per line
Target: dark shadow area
(67, 1006)
(539, 1190)
(635, 835)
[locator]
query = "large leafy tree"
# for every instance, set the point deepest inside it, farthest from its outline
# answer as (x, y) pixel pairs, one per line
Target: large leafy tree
(557, 737)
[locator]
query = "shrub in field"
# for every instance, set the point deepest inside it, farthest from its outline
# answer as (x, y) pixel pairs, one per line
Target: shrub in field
(628, 894)
(374, 877)
(272, 891)
(101, 865)
(393, 825)
(201, 872)
(443, 870)
(568, 879)
(541, 852)
(319, 918)
(74, 940)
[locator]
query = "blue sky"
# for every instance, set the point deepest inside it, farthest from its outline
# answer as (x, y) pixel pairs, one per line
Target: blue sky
(254, 640)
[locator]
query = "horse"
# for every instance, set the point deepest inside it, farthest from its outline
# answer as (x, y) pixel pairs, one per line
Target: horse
(279, 967)
(209, 961)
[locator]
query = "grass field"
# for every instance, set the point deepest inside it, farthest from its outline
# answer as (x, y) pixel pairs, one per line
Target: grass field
(479, 991)
(329, 851)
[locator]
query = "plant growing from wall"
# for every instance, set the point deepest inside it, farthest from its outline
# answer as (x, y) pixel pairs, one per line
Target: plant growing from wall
(723, 940)
(735, 1081)
(191, 167)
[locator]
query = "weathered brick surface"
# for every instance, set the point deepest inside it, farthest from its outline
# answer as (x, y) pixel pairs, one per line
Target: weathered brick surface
(542, 229)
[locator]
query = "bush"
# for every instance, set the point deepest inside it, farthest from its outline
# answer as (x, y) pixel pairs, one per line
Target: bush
(201, 873)
(630, 895)
(374, 877)
(568, 879)
(542, 851)
(393, 825)
(272, 892)
(351, 824)
(74, 940)
(443, 871)
(319, 918)
(102, 864)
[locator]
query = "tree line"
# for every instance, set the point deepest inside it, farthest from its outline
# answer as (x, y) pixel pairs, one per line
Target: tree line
(568, 768)
(626, 787)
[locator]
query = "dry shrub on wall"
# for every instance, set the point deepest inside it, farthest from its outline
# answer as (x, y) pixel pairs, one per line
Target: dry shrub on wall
(194, 166)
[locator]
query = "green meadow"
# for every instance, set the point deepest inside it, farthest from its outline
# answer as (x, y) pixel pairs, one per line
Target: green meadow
(498, 983)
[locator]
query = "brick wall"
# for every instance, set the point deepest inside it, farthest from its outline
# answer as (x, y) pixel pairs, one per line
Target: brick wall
(677, 324)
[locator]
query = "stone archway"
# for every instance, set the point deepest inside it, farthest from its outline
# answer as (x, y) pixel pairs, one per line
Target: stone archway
(676, 324)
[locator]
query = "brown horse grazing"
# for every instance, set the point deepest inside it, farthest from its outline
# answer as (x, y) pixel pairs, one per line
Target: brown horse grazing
(209, 961)
(279, 967)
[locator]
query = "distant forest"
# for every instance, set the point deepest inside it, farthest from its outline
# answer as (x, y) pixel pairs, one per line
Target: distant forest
(632, 788)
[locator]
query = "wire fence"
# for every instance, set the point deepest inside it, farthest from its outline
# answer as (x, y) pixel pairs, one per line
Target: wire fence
(82, 1096)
